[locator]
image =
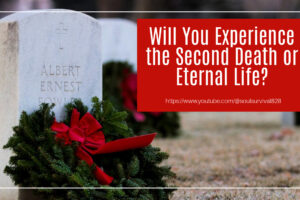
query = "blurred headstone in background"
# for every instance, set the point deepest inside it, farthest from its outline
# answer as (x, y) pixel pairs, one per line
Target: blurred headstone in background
(119, 41)
(271, 5)
(19, 5)
(33, 4)
(288, 118)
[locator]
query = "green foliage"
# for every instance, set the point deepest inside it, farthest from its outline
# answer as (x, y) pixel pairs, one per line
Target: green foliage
(166, 125)
(41, 161)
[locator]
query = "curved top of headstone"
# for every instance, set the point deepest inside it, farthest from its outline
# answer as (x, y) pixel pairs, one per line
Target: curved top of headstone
(24, 15)
(119, 40)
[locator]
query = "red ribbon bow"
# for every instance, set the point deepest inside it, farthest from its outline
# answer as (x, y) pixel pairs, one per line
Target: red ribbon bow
(92, 141)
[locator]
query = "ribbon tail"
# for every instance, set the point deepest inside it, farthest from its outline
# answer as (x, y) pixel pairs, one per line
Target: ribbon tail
(82, 155)
(101, 176)
(125, 144)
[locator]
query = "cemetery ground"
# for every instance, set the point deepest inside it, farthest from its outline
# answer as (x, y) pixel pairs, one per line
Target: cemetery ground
(234, 150)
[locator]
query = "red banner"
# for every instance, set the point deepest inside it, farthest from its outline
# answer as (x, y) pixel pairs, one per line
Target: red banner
(218, 65)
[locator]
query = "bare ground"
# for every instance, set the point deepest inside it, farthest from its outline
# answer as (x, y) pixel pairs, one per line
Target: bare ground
(234, 150)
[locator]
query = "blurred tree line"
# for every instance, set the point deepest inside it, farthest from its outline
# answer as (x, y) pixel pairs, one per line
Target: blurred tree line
(181, 5)
(147, 5)
(161, 5)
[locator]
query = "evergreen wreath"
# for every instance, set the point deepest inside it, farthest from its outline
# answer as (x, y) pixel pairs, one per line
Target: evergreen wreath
(42, 157)
(119, 87)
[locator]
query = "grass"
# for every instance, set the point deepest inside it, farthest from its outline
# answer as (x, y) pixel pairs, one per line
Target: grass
(234, 150)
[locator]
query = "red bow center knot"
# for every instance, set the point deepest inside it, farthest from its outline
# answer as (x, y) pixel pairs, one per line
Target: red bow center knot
(87, 131)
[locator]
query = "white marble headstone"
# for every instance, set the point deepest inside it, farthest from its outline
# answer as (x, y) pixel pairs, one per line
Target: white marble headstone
(119, 40)
(46, 56)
